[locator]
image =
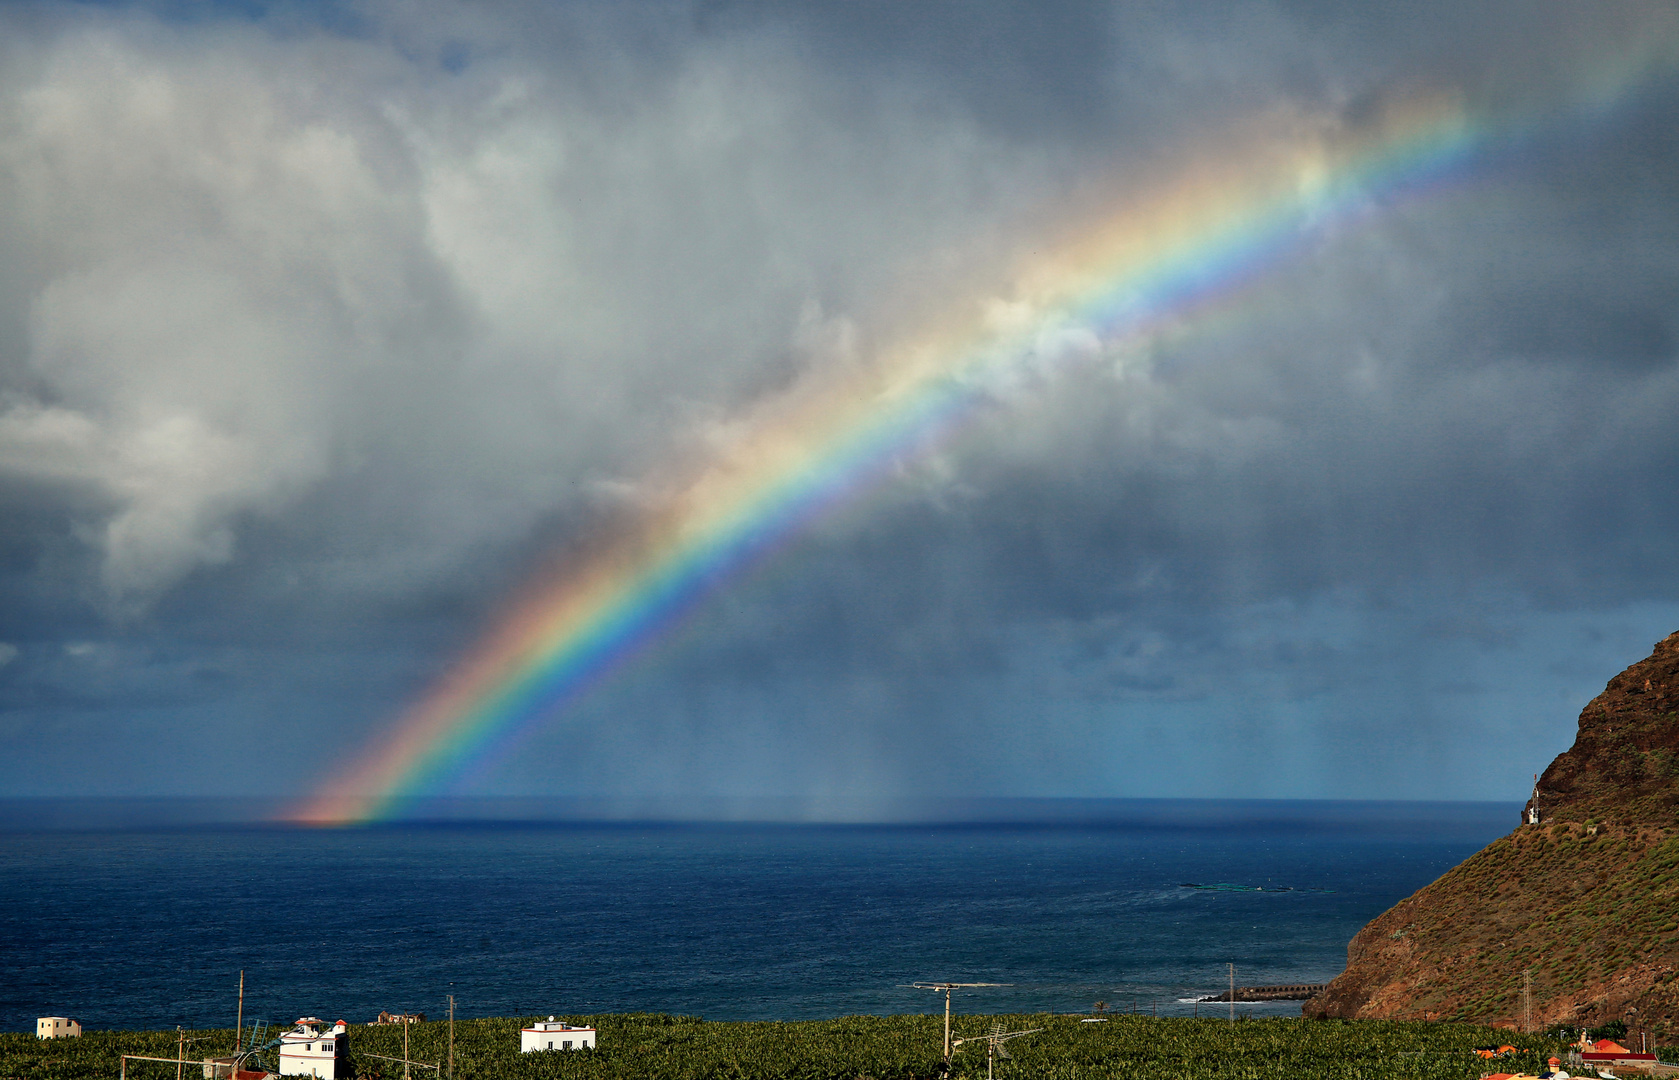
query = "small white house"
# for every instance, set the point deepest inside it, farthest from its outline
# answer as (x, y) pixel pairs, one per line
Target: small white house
(57, 1027)
(314, 1049)
(551, 1034)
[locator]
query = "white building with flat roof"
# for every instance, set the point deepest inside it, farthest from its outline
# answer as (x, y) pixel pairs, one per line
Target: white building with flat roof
(551, 1034)
(57, 1027)
(314, 1049)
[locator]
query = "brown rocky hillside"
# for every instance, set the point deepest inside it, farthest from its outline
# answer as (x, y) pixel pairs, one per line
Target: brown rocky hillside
(1586, 901)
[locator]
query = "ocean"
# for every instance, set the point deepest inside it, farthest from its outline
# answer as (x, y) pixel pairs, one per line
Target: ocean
(150, 926)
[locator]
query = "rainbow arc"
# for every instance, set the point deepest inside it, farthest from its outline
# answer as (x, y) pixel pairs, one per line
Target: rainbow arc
(1186, 248)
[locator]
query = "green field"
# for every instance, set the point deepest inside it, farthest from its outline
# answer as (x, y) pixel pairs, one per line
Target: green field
(655, 1047)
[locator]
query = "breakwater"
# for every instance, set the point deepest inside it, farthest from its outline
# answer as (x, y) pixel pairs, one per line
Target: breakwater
(1293, 992)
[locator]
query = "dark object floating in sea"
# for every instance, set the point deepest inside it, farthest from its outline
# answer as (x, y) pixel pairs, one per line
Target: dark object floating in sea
(1225, 886)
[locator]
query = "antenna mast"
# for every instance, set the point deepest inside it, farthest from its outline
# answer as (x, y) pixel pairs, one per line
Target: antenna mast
(947, 987)
(994, 1045)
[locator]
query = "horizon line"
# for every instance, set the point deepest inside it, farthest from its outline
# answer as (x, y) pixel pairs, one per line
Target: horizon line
(83, 812)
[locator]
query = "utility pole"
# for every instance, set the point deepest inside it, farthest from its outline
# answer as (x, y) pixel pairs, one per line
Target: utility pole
(1232, 968)
(451, 1037)
(1527, 1001)
(180, 1049)
(947, 987)
(947, 1030)
(239, 1025)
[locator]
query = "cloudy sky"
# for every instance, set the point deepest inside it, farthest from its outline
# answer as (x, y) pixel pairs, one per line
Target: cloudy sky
(323, 326)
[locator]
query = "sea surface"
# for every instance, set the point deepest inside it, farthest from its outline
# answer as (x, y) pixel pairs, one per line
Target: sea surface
(149, 927)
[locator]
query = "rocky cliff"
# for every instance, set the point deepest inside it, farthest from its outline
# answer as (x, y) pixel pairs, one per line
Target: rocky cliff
(1582, 908)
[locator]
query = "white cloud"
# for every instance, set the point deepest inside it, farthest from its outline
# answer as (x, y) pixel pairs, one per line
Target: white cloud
(254, 271)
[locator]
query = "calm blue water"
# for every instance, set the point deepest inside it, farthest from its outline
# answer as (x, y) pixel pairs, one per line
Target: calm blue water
(148, 929)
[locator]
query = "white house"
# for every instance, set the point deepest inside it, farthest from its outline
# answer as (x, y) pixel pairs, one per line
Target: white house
(550, 1034)
(57, 1027)
(313, 1049)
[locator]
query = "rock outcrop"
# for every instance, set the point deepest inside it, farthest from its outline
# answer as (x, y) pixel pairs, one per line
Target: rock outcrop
(1577, 915)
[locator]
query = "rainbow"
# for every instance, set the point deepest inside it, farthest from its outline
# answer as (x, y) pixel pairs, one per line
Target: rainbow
(1205, 231)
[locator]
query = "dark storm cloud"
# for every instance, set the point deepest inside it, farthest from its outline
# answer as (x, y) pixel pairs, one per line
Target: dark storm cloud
(320, 326)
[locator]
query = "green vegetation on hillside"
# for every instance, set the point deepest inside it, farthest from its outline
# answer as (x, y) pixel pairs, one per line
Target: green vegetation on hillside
(1573, 907)
(1583, 906)
(654, 1047)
